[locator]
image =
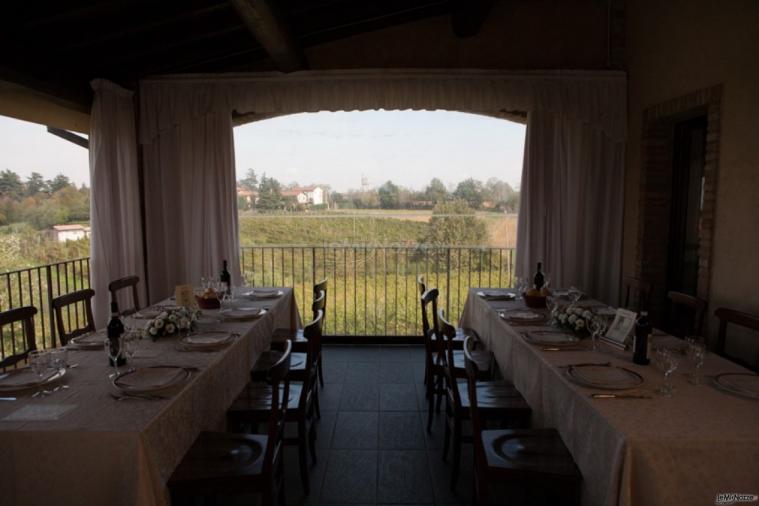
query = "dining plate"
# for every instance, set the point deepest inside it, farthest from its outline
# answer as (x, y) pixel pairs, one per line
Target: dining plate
(150, 379)
(606, 377)
(745, 384)
(551, 338)
(17, 380)
(264, 293)
(90, 341)
(243, 313)
(207, 340)
(148, 313)
(496, 295)
(522, 316)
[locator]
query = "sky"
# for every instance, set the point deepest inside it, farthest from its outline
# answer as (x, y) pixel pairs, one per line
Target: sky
(333, 148)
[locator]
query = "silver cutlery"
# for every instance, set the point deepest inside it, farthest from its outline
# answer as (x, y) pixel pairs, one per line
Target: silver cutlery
(144, 397)
(7, 398)
(620, 396)
(600, 364)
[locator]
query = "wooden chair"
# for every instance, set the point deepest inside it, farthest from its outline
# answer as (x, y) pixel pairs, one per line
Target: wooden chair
(250, 407)
(532, 459)
(501, 401)
(25, 316)
(72, 302)
(686, 315)
(434, 350)
(421, 285)
(745, 320)
(125, 283)
(638, 291)
(216, 462)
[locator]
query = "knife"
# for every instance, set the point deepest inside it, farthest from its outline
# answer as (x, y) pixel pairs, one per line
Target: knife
(7, 398)
(620, 396)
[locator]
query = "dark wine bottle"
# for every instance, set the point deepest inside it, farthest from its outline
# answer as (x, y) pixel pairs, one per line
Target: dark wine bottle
(115, 330)
(640, 346)
(539, 280)
(226, 278)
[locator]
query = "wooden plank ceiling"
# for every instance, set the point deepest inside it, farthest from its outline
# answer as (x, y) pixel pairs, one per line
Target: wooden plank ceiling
(57, 47)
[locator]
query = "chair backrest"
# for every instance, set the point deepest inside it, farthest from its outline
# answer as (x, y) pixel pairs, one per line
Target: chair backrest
(313, 334)
(421, 285)
(319, 303)
(122, 283)
(472, 372)
(745, 320)
(686, 315)
(74, 304)
(429, 324)
(448, 332)
(320, 287)
(637, 294)
(24, 315)
(278, 375)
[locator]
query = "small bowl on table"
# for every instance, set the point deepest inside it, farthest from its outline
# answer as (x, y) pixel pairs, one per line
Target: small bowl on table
(534, 301)
(208, 302)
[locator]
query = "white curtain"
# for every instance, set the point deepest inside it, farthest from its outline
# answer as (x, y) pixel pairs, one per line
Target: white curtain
(191, 203)
(116, 241)
(570, 216)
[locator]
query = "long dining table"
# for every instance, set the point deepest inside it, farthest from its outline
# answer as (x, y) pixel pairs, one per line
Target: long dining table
(679, 450)
(101, 450)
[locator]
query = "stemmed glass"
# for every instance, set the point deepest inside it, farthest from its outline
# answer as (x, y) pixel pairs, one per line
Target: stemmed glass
(551, 305)
(225, 302)
(574, 294)
(129, 342)
(598, 327)
(667, 363)
(696, 354)
(114, 354)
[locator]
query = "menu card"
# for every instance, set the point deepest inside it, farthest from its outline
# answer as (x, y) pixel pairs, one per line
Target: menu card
(185, 296)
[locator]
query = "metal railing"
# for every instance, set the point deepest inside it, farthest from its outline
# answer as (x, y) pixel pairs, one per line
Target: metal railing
(372, 290)
(38, 286)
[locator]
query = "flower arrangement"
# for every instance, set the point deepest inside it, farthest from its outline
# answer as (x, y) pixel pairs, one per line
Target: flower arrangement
(572, 317)
(171, 321)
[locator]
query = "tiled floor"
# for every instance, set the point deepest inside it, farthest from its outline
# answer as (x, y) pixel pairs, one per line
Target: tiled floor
(372, 444)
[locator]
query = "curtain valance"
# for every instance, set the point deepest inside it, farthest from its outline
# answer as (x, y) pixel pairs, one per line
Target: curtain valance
(594, 98)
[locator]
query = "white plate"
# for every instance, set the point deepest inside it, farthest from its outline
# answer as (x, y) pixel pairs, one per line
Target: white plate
(243, 313)
(605, 377)
(551, 338)
(264, 293)
(91, 341)
(17, 380)
(150, 379)
(522, 316)
(208, 340)
(740, 383)
(496, 295)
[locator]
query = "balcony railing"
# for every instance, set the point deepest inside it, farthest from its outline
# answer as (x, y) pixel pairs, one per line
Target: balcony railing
(372, 289)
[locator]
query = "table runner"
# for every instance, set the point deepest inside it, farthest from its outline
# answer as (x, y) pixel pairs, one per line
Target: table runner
(122, 452)
(665, 451)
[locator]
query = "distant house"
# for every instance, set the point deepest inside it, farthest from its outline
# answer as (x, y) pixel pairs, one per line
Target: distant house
(63, 233)
(250, 196)
(314, 195)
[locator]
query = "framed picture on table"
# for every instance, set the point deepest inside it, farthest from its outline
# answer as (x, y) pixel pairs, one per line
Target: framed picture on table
(621, 329)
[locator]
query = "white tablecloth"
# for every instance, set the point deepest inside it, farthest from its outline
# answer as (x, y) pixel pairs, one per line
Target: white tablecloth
(682, 450)
(105, 451)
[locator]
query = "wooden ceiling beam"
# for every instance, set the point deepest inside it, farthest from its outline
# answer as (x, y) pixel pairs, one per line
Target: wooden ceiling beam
(468, 16)
(70, 136)
(268, 27)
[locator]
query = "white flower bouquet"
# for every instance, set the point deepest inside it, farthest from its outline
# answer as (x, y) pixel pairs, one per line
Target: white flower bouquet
(171, 321)
(574, 318)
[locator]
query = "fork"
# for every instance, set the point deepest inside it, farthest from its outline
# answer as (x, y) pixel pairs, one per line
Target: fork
(144, 397)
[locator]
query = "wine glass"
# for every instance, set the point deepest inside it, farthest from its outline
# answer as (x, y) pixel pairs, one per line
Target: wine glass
(249, 278)
(59, 358)
(551, 305)
(666, 361)
(225, 303)
(574, 294)
(39, 360)
(129, 342)
(597, 328)
(114, 349)
(696, 354)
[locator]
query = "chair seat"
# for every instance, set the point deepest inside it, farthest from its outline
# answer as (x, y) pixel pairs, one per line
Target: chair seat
(270, 357)
(256, 397)
(528, 451)
(219, 460)
(495, 395)
(293, 335)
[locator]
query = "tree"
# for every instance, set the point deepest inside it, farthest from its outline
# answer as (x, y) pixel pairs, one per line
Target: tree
(471, 191)
(58, 183)
(269, 194)
(11, 185)
(389, 196)
(436, 191)
(35, 184)
(250, 181)
(455, 223)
